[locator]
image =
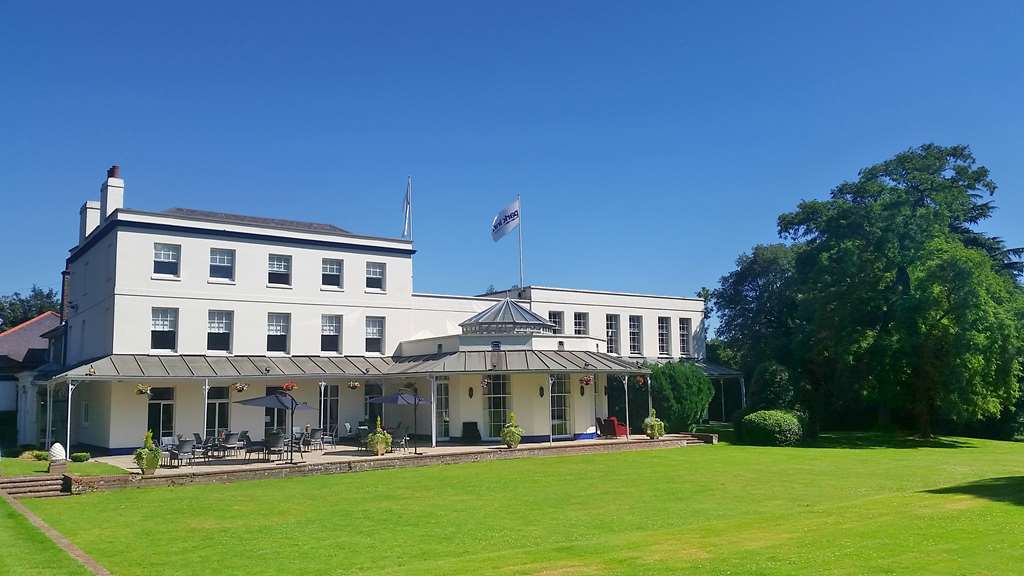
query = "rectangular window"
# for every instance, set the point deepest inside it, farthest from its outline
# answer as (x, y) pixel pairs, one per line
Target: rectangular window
(217, 410)
(222, 263)
(332, 273)
(498, 396)
(375, 334)
(581, 323)
(279, 269)
(218, 332)
(277, 332)
(664, 330)
(636, 326)
(164, 330)
(558, 319)
(330, 333)
(684, 336)
(611, 333)
(375, 275)
(165, 259)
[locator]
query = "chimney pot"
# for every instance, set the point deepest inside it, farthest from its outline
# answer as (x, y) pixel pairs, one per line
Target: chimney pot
(114, 171)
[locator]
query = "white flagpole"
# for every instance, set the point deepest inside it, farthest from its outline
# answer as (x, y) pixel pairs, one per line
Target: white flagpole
(409, 184)
(520, 203)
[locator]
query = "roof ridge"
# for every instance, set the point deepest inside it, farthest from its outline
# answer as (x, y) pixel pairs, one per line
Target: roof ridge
(29, 321)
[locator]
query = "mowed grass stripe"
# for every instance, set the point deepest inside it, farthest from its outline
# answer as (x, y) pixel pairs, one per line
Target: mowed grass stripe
(704, 510)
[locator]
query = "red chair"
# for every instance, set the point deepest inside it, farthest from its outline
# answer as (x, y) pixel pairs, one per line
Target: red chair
(615, 428)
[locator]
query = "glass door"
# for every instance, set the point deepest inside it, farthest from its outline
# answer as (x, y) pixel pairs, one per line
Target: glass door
(161, 413)
(217, 404)
(498, 396)
(559, 405)
(441, 405)
(329, 407)
(275, 420)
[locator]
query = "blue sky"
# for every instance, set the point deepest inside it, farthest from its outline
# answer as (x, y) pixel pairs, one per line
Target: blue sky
(651, 142)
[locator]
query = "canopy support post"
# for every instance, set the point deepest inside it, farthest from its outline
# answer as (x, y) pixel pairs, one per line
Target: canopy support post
(206, 404)
(551, 416)
(721, 388)
(323, 386)
(625, 388)
(67, 449)
(49, 415)
(433, 411)
(743, 393)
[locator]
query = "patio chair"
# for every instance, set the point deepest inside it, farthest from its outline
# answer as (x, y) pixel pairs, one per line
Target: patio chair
(616, 428)
(399, 440)
(297, 444)
(348, 430)
(252, 446)
(600, 427)
(274, 445)
(183, 452)
(314, 439)
(197, 438)
(230, 443)
(331, 437)
(361, 435)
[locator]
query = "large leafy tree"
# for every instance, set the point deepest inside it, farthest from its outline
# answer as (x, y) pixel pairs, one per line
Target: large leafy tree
(16, 308)
(892, 297)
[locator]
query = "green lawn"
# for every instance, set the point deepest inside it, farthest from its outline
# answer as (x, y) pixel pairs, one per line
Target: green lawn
(25, 550)
(846, 506)
(19, 467)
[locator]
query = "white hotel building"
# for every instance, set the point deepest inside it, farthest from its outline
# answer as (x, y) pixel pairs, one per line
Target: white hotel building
(210, 308)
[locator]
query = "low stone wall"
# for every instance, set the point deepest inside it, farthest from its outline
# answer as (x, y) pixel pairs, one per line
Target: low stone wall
(85, 484)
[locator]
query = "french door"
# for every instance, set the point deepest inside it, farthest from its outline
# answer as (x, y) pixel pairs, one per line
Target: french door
(441, 405)
(161, 413)
(498, 397)
(560, 424)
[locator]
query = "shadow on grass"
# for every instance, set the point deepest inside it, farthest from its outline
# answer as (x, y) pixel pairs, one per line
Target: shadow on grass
(1005, 489)
(867, 440)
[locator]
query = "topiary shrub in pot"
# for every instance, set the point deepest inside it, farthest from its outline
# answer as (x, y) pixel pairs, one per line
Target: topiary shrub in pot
(771, 428)
(147, 458)
(511, 433)
(653, 427)
(378, 441)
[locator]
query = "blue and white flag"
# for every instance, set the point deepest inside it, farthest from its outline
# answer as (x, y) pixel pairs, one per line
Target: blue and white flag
(506, 221)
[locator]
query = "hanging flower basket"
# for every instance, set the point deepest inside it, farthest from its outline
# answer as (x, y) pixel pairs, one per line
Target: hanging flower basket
(241, 386)
(289, 386)
(484, 381)
(586, 379)
(640, 380)
(353, 385)
(143, 389)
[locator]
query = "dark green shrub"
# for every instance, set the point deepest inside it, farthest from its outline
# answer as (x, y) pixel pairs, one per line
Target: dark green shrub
(41, 455)
(80, 456)
(681, 392)
(770, 428)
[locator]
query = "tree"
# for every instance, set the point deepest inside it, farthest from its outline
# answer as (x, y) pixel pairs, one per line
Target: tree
(772, 387)
(16, 308)
(680, 392)
(754, 304)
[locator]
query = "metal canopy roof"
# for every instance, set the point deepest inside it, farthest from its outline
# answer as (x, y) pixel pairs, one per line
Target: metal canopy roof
(194, 366)
(513, 361)
(507, 317)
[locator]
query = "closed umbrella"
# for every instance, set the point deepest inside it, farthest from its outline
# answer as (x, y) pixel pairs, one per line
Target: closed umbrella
(280, 400)
(404, 398)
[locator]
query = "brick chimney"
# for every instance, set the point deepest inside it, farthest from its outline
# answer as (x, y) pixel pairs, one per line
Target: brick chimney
(111, 193)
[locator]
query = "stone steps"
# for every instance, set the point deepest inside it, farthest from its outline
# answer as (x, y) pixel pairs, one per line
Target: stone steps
(33, 486)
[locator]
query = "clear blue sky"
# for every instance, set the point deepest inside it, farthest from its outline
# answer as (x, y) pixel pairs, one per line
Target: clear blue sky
(651, 142)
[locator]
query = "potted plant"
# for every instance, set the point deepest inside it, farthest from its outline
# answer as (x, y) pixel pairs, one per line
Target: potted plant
(586, 379)
(511, 434)
(378, 441)
(653, 427)
(147, 458)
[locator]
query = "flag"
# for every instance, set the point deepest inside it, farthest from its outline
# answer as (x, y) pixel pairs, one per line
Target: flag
(407, 211)
(506, 221)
